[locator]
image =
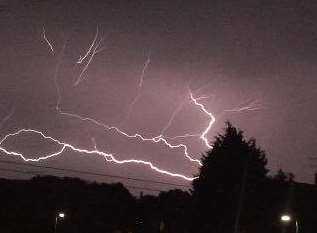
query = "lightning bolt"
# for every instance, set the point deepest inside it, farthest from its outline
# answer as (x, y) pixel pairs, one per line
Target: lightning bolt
(245, 108)
(50, 45)
(211, 122)
(138, 95)
(160, 138)
(145, 66)
(174, 114)
(82, 58)
(63, 146)
(252, 106)
(56, 72)
(93, 49)
(156, 139)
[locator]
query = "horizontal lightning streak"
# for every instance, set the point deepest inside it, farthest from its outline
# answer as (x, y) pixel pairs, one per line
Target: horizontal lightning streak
(108, 157)
(253, 106)
(182, 136)
(157, 139)
(241, 109)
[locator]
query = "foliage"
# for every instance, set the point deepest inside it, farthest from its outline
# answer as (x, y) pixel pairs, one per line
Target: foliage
(232, 178)
(32, 205)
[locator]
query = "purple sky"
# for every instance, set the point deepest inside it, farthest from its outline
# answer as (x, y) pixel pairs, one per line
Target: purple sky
(260, 54)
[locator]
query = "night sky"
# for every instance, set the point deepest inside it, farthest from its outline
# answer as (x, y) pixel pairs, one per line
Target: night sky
(258, 57)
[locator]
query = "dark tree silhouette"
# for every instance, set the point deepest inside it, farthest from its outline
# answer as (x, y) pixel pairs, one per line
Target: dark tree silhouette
(283, 177)
(32, 205)
(174, 208)
(227, 194)
(166, 213)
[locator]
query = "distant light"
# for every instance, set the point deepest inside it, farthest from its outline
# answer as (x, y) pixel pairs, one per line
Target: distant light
(285, 218)
(61, 215)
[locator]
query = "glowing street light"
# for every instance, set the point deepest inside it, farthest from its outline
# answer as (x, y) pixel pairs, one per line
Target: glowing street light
(60, 215)
(286, 218)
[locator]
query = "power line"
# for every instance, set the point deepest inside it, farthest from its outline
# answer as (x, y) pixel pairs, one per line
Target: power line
(20, 171)
(94, 173)
(39, 173)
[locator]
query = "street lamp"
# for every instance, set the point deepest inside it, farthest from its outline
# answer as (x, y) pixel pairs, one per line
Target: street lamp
(60, 215)
(286, 218)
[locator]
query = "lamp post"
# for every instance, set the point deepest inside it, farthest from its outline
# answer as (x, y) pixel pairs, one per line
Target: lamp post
(60, 215)
(286, 218)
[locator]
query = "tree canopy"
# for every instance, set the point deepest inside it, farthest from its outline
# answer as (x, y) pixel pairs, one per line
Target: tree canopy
(232, 171)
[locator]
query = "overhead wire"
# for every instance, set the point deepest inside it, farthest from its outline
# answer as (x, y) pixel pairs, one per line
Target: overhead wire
(93, 173)
(39, 173)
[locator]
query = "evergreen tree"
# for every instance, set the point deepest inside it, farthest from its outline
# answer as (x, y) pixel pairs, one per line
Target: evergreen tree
(228, 193)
